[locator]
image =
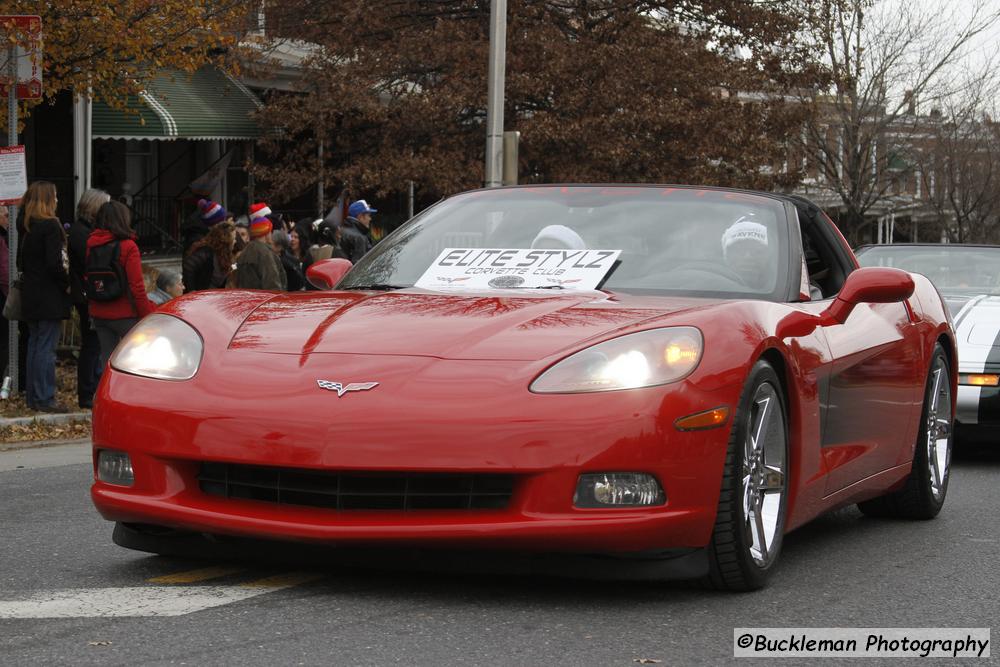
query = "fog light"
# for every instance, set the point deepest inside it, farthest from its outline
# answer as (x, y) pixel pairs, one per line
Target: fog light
(618, 489)
(114, 468)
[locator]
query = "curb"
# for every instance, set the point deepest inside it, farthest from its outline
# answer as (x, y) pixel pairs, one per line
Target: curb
(37, 444)
(44, 419)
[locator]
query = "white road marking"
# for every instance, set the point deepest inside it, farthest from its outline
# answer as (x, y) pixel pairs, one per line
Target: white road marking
(142, 600)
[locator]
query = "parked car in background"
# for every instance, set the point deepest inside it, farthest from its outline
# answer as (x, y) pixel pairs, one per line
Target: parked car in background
(968, 277)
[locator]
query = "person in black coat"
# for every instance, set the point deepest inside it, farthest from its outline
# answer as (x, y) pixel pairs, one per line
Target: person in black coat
(300, 240)
(355, 232)
(210, 260)
(88, 367)
(43, 262)
(294, 279)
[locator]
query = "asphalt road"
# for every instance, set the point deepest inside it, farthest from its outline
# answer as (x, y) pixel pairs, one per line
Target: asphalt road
(843, 570)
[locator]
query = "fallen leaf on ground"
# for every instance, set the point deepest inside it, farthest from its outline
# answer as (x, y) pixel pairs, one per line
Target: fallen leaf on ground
(36, 430)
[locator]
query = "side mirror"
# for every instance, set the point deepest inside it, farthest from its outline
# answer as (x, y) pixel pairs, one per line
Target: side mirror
(868, 285)
(797, 324)
(326, 273)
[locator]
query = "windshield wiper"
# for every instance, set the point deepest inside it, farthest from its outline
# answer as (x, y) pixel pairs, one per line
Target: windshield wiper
(377, 287)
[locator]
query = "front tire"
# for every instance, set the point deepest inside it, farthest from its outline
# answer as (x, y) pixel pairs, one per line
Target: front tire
(922, 496)
(750, 523)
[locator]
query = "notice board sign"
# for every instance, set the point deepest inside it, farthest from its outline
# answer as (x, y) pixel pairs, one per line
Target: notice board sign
(514, 268)
(13, 175)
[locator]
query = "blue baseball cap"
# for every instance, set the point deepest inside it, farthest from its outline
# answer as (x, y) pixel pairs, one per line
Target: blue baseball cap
(359, 207)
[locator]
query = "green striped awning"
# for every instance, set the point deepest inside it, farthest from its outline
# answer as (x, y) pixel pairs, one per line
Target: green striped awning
(208, 104)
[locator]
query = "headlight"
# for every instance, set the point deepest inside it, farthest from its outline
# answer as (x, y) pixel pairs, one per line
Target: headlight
(160, 346)
(636, 360)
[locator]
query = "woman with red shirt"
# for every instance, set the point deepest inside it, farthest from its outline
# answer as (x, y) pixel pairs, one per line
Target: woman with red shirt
(113, 319)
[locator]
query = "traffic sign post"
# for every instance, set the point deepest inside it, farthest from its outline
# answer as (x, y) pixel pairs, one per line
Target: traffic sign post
(24, 81)
(12, 357)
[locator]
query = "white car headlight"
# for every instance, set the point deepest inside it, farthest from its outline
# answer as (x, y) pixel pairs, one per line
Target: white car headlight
(641, 359)
(160, 346)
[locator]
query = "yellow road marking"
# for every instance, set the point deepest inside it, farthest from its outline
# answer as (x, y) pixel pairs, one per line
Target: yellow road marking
(283, 580)
(193, 576)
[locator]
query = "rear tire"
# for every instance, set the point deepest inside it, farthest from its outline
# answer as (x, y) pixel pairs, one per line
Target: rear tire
(923, 494)
(750, 523)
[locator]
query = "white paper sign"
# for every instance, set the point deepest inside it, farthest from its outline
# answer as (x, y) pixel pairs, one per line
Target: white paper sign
(13, 175)
(513, 268)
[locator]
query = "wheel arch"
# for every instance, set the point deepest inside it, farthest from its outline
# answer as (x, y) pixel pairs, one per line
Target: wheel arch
(947, 343)
(776, 358)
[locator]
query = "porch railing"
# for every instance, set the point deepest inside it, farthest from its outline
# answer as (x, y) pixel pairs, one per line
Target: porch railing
(156, 222)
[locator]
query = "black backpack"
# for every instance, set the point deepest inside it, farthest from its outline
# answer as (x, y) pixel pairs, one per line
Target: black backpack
(104, 276)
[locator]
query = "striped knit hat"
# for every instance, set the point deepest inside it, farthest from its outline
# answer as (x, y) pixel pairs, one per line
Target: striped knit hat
(260, 210)
(260, 226)
(211, 212)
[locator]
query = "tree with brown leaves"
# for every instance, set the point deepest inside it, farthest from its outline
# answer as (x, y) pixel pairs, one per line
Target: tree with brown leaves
(601, 90)
(115, 48)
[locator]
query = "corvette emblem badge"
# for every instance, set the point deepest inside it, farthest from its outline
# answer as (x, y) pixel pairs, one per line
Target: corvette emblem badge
(342, 389)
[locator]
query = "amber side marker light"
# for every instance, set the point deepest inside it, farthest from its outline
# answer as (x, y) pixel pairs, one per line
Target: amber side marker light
(702, 420)
(979, 380)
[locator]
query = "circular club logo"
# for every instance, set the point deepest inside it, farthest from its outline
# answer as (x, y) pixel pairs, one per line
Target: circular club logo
(506, 282)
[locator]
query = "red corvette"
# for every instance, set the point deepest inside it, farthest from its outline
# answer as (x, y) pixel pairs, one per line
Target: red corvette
(664, 373)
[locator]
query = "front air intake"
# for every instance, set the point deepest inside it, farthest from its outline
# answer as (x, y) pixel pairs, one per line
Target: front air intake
(344, 491)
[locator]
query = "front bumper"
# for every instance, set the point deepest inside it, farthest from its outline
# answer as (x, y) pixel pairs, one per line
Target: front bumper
(427, 415)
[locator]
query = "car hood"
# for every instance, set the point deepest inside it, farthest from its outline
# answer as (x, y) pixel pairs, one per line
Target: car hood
(498, 325)
(958, 300)
(977, 329)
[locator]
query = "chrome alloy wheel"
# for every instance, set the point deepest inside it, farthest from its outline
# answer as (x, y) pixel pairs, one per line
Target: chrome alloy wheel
(763, 479)
(939, 429)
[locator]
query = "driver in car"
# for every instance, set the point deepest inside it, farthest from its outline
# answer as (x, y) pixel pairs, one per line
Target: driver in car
(559, 237)
(744, 247)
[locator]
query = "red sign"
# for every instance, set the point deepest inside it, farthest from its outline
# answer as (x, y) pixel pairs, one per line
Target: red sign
(26, 32)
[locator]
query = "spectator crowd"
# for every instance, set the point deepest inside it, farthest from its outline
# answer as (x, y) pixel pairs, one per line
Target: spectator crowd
(92, 267)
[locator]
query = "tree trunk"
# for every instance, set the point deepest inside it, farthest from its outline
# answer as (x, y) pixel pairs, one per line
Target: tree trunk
(851, 224)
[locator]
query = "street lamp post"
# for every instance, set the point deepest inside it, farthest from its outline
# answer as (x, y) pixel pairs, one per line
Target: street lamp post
(495, 93)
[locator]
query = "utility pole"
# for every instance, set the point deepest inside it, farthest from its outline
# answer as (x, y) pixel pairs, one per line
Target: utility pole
(321, 183)
(495, 93)
(11, 333)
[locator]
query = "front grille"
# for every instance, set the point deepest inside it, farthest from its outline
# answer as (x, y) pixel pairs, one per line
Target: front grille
(343, 491)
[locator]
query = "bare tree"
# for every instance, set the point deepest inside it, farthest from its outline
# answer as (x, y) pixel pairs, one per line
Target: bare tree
(883, 58)
(960, 169)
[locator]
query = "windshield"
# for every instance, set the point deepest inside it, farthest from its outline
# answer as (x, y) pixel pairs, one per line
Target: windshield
(674, 240)
(950, 268)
